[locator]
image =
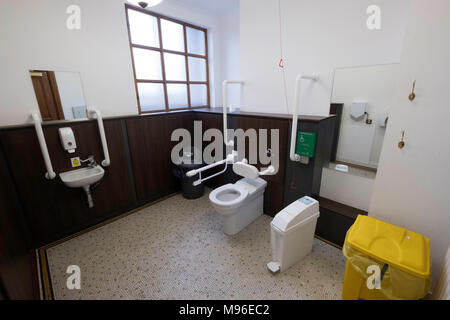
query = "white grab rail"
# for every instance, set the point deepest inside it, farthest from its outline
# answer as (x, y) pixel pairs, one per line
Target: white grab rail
(231, 158)
(50, 175)
(97, 114)
(313, 77)
(228, 143)
(268, 171)
(244, 169)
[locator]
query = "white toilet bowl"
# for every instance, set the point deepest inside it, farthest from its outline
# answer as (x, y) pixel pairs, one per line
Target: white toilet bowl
(239, 204)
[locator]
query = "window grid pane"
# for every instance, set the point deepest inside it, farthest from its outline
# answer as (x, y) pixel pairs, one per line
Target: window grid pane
(196, 41)
(199, 95)
(143, 29)
(147, 64)
(171, 84)
(173, 35)
(151, 96)
(178, 96)
(175, 67)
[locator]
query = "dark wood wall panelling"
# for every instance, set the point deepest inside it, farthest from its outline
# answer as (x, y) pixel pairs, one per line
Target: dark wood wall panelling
(18, 273)
(150, 148)
(140, 172)
(336, 109)
(335, 220)
(52, 210)
(274, 194)
(215, 121)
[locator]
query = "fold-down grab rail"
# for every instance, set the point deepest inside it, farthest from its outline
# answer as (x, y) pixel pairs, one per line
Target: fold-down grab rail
(313, 77)
(50, 175)
(231, 158)
(97, 114)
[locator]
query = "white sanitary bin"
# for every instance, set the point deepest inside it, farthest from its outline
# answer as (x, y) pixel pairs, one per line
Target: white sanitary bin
(292, 233)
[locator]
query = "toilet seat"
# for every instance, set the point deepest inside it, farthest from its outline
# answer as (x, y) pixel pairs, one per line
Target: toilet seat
(229, 196)
(239, 204)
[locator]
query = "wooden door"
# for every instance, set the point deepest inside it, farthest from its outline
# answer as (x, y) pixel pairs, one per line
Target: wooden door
(47, 95)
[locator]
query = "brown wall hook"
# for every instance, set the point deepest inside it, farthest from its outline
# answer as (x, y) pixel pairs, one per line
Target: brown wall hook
(412, 96)
(402, 143)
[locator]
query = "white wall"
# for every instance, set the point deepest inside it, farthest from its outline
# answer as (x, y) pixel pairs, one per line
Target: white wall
(230, 47)
(318, 36)
(70, 92)
(34, 36)
(412, 187)
(360, 143)
(351, 189)
(210, 20)
(37, 38)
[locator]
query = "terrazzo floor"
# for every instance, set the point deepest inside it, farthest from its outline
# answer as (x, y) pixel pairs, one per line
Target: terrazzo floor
(176, 249)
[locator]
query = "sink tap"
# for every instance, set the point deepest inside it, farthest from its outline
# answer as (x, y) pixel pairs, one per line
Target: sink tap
(91, 162)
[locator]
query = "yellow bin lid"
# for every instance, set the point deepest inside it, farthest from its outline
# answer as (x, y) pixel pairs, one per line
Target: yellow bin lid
(398, 247)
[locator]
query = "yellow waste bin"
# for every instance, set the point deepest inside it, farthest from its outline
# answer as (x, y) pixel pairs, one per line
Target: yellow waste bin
(385, 262)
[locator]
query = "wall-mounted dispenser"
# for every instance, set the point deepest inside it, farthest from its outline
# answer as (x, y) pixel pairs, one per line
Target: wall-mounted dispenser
(67, 139)
(358, 110)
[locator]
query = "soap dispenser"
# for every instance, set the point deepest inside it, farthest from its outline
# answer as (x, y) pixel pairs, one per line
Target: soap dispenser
(67, 139)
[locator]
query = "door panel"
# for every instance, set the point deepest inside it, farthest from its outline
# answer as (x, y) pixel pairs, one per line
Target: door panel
(47, 95)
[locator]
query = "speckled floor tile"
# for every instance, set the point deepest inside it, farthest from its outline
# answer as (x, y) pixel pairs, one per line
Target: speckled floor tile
(176, 249)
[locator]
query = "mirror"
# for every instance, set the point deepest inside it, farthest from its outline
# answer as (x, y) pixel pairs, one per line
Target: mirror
(366, 96)
(59, 95)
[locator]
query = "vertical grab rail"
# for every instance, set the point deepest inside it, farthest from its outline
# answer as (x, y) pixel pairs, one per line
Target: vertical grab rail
(228, 143)
(50, 175)
(230, 158)
(97, 114)
(313, 77)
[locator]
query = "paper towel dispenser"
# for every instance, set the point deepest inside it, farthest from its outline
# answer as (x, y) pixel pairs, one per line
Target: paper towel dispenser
(358, 110)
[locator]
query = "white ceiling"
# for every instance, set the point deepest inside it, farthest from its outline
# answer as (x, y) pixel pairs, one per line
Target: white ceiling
(215, 6)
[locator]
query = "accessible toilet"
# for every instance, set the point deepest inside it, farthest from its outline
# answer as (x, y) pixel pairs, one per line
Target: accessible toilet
(240, 204)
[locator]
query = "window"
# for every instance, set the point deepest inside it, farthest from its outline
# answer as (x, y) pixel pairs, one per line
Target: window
(170, 62)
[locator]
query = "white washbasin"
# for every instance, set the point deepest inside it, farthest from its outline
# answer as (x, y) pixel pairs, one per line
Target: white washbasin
(82, 177)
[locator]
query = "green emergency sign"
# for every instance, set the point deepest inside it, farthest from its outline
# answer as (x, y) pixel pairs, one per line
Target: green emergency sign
(306, 144)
